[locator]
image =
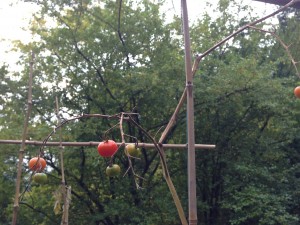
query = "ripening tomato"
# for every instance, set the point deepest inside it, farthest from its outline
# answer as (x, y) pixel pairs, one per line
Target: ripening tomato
(113, 170)
(132, 150)
(297, 92)
(40, 178)
(37, 164)
(107, 148)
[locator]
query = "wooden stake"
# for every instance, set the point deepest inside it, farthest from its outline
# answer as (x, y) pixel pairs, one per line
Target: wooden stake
(64, 189)
(16, 205)
(192, 197)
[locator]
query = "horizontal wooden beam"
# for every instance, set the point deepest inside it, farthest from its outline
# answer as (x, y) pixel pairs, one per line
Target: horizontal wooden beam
(280, 2)
(94, 143)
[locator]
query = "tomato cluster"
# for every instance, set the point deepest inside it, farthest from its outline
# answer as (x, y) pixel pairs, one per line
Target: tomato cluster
(38, 164)
(109, 148)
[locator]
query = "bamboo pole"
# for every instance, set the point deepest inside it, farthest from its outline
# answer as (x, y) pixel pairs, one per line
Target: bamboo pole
(67, 204)
(192, 197)
(16, 205)
(64, 188)
(95, 143)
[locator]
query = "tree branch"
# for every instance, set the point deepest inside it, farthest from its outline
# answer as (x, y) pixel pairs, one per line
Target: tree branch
(39, 211)
(198, 58)
(120, 34)
(286, 47)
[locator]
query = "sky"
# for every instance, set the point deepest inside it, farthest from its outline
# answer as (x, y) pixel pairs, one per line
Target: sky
(15, 16)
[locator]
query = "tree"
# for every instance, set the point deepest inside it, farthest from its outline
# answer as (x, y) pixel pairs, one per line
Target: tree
(91, 76)
(247, 114)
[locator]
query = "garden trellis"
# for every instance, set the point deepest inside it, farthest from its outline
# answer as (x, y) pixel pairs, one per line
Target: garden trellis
(187, 96)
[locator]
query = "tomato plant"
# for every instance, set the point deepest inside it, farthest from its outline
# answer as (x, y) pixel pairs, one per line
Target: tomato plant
(37, 164)
(107, 148)
(113, 170)
(40, 178)
(132, 150)
(297, 92)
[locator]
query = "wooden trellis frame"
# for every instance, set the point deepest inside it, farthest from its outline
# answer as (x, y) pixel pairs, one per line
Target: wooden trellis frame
(187, 95)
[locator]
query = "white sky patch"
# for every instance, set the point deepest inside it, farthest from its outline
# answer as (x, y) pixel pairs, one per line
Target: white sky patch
(14, 18)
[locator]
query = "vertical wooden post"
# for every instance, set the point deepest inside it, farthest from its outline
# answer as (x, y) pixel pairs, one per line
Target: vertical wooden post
(66, 190)
(22, 149)
(192, 197)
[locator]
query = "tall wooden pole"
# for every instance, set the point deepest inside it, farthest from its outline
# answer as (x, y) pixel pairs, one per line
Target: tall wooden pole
(190, 119)
(64, 188)
(16, 205)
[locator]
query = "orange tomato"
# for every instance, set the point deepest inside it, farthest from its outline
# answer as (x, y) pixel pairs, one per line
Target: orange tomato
(297, 92)
(37, 164)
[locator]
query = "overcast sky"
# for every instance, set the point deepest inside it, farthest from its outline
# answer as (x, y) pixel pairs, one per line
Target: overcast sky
(15, 16)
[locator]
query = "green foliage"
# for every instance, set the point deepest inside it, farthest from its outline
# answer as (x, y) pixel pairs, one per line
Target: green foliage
(100, 58)
(251, 117)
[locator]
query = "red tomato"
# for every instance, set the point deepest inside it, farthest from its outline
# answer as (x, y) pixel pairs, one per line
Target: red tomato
(297, 92)
(107, 148)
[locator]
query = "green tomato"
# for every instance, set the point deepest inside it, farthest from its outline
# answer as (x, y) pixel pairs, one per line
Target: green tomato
(132, 150)
(40, 178)
(113, 170)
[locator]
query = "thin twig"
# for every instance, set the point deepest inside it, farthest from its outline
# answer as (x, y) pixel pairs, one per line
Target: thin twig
(130, 166)
(120, 34)
(243, 28)
(37, 210)
(26, 189)
(76, 118)
(286, 47)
